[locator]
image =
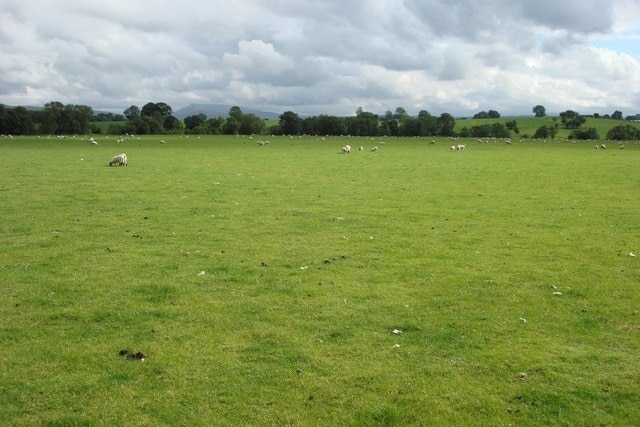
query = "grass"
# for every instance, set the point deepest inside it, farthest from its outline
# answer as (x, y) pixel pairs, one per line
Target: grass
(264, 283)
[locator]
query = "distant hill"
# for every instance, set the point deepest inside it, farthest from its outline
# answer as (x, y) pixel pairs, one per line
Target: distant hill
(220, 110)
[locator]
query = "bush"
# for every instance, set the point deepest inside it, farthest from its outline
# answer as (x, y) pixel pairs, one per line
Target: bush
(624, 133)
(589, 133)
(545, 132)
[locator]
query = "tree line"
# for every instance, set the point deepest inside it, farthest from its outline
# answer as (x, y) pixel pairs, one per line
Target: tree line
(56, 118)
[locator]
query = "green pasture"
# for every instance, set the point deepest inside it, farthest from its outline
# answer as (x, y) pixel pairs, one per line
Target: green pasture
(288, 284)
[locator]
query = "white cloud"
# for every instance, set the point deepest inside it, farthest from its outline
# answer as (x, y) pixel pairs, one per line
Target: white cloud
(323, 57)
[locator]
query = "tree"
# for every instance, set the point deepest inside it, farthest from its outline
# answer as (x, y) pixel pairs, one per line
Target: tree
(589, 133)
(363, 124)
(624, 133)
(429, 125)
(251, 124)
(512, 125)
(544, 132)
(481, 115)
(233, 122)
(191, 122)
(330, 125)
(290, 123)
(539, 111)
(617, 115)
(447, 123)
(571, 119)
(18, 122)
(51, 118)
(493, 114)
(400, 114)
(172, 124)
(131, 112)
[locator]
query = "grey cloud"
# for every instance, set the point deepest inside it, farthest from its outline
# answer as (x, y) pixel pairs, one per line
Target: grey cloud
(430, 54)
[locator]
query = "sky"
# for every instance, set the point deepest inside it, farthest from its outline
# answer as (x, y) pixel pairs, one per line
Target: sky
(325, 56)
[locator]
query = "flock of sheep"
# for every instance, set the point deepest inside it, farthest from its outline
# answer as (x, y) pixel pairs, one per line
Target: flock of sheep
(347, 149)
(121, 159)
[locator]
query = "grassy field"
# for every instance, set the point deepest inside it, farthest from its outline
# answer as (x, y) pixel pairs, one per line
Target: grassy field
(289, 284)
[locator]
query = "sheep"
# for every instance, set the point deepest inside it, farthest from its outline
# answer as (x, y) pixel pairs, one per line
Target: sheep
(346, 149)
(120, 160)
(360, 148)
(452, 148)
(92, 141)
(604, 147)
(460, 147)
(375, 148)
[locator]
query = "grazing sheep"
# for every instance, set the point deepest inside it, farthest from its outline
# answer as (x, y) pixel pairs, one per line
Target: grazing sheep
(120, 160)
(360, 148)
(597, 146)
(604, 147)
(375, 148)
(452, 148)
(460, 147)
(92, 141)
(346, 149)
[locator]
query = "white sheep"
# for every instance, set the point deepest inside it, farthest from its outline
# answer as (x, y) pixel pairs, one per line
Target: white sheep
(604, 147)
(346, 149)
(460, 147)
(375, 148)
(452, 148)
(360, 148)
(120, 160)
(92, 141)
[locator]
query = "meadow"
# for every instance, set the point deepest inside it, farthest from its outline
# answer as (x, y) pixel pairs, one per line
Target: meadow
(290, 284)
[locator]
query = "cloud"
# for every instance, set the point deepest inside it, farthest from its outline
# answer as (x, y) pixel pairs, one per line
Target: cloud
(323, 57)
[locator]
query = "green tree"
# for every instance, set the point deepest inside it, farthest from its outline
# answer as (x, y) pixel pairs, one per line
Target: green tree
(132, 112)
(173, 125)
(363, 124)
(539, 111)
(571, 119)
(330, 125)
(617, 115)
(251, 124)
(191, 122)
(446, 123)
(233, 122)
(624, 133)
(18, 122)
(589, 133)
(544, 132)
(428, 124)
(290, 123)
(51, 118)
(400, 114)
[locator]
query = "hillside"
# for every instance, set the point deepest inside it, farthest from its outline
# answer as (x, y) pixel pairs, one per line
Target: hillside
(527, 125)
